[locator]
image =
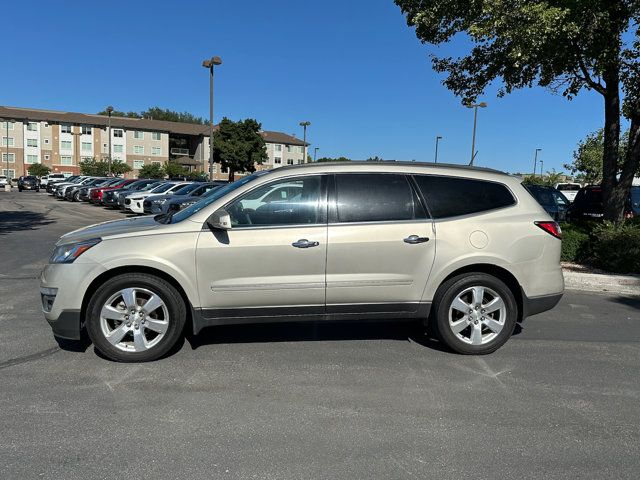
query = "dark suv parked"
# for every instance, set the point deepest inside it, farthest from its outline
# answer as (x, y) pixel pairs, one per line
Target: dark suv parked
(588, 204)
(28, 183)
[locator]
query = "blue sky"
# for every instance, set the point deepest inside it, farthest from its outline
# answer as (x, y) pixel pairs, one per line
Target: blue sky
(352, 68)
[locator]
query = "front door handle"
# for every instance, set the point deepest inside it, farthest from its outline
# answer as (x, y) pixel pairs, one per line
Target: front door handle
(416, 239)
(304, 243)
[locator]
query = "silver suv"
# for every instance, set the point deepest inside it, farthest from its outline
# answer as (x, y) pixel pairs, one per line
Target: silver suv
(466, 250)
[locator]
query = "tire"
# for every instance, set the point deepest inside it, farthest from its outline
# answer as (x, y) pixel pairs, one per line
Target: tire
(76, 197)
(476, 331)
(144, 343)
(19, 189)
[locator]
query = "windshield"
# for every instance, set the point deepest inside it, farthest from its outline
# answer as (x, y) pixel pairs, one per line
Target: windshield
(187, 189)
(214, 195)
(568, 187)
(163, 187)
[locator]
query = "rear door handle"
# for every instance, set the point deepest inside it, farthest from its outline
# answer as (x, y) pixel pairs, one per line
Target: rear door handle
(304, 243)
(416, 239)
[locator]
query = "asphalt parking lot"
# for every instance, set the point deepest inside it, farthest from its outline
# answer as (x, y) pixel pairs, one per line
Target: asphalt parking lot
(374, 400)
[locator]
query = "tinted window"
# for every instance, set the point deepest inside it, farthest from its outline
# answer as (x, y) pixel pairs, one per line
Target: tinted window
(285, 202)
(453, 196)
(568, 187)
(375, 198)
(635, 199)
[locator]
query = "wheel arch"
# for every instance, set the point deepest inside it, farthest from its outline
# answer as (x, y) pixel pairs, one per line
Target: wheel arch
(501, 273)
(108, 274)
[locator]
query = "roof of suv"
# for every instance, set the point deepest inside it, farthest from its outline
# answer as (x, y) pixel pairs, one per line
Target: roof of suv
(404, 167)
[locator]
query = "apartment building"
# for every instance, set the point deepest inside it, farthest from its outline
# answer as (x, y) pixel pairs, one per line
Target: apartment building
(61, 140)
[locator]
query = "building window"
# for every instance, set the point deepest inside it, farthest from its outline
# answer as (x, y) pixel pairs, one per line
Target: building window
(277, 160)
(11, 174)
(32, 142)
(85, 159)
(156, 150)
(65, 144)
(46, 124)
(12, 157)
(32, 126)
(118, 148)
(138, 134)
(118, 133)
(65, 128)
(138, 164)
(289, 161)
(86, 130)
(138, 149)
(32, 159)
(8, 125)
(7, 141)
(86, 146)
(300, 150)
(156, 135)
(66, 160)
(46, 141)
(278, 148)
(299, 161)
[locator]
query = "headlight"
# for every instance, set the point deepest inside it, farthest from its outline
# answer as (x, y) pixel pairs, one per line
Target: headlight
(69, 252)
(161, 201)
(187, 204)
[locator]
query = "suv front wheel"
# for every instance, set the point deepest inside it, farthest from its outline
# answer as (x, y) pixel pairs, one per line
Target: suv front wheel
(474, 314)
(135, 317)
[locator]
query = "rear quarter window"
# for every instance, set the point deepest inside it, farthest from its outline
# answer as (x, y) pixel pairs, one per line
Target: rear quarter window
(455, 196)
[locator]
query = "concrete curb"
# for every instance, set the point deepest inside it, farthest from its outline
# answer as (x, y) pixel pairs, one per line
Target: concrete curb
(600, 282)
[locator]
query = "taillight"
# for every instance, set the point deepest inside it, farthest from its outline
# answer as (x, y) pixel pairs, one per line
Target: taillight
(552, 228)
(99, 193)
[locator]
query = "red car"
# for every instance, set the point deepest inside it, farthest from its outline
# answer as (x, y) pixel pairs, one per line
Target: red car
(96, 193)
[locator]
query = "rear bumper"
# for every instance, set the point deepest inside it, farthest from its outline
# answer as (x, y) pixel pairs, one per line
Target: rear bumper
(534, 305)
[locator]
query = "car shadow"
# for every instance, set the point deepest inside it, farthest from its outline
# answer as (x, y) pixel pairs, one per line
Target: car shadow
(633, 302)
(20, 220)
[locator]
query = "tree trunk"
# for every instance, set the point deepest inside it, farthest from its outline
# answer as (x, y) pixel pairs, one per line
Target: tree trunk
(611, 195)
(231, 175)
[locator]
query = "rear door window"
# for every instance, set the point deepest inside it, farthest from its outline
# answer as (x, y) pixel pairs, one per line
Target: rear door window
(375, 197)
(454, 196)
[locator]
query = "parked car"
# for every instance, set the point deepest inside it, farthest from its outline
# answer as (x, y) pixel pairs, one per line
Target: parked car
(569, 190)
(61, 188)
(72, 192)
(155, 204)
(389, 240)
(28, 182)
(58, 186)
(122, 196)
(589, 205)
(96, 194)
(84, 192)
(52, 177)
(179, 202)
(4, 181)
(110, 197)
(552, 200)
(53, 183)
(135, 203)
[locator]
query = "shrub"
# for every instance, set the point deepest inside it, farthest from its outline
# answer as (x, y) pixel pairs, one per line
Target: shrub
(616, 247)
(575, 243)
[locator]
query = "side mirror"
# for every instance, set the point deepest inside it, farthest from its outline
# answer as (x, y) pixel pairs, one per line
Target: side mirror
(219, 220)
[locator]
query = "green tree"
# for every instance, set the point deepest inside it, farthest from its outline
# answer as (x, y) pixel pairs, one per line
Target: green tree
(587, 158)
(553, 177)
(151, 170)
(197, 176)
(563, 45)
(118, 167)
(93, 167)
(533, 180)
(157, 113)
(175, 170)
(39, 170)
(118, 113)
(238, 146)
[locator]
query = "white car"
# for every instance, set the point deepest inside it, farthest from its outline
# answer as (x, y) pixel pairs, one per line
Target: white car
(52, 177)
(3, 181)
(570, 190)
(135, 202)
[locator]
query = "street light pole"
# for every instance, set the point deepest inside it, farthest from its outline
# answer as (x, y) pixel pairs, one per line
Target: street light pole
(438, 138)
(109, 110)
(475, 107)
(210, 63)
(315, 153)
(8, 153)
(535, 161)
(541, 168)
(304, 126)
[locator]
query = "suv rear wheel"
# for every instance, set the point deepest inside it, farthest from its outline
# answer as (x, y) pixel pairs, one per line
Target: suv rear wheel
(135, 317)
(474, 314)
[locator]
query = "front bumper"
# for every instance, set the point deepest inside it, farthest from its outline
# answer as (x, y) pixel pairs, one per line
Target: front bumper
(62, 289)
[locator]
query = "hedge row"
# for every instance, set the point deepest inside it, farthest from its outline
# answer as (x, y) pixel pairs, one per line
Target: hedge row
(609, 246)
